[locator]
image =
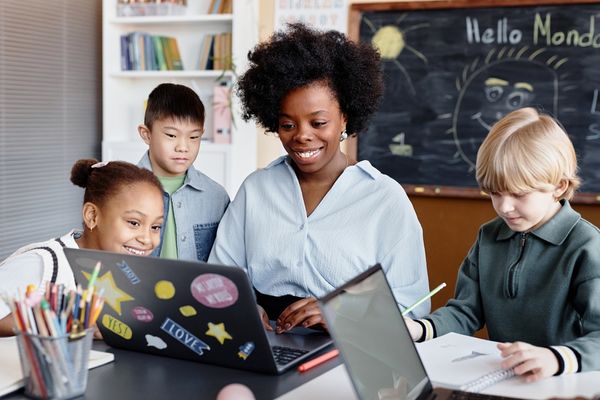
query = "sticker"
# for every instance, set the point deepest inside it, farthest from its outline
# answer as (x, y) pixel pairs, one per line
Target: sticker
(214, 291)
(245, 350)
(187, 311)
(133, 278)
(164, 290)
(155, 341)
(113, 296)
(183, 336)
(142, 314)
(218, 332)
(116, 326)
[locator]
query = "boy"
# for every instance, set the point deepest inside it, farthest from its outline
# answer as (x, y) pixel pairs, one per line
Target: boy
(194, 203)
(533, 275)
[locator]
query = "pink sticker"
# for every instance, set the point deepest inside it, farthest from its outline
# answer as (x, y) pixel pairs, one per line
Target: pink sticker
(214, 291)
(142, 314)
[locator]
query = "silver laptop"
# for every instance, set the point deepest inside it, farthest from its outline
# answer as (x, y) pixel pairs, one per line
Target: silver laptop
(191, 310)
(380, 356)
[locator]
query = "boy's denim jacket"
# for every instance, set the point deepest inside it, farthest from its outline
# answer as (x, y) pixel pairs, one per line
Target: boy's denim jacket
(198, 205)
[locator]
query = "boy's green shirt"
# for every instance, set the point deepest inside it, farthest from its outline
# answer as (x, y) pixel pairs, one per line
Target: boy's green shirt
(169, 243)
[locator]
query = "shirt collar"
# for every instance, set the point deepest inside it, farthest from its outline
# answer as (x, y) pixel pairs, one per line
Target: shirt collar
(555, 230)
(192, 177)
(363, 165)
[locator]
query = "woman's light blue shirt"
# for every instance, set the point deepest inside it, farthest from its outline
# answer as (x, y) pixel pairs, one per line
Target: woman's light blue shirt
(365, 218)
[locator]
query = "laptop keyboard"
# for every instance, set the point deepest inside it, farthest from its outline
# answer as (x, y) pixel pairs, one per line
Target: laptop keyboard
(285, 355)
(460, 395)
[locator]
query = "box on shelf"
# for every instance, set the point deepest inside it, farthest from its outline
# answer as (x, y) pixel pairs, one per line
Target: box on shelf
(135, 9)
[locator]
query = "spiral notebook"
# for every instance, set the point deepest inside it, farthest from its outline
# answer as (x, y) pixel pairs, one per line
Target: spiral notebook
(463, 362)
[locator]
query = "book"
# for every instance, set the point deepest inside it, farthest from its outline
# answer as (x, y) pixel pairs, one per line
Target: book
(11, 375)
(463, 362)
(222, 113)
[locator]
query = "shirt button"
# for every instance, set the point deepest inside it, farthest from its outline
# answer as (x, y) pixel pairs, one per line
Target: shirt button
(183, 238)
(178, 204)
(302, 226)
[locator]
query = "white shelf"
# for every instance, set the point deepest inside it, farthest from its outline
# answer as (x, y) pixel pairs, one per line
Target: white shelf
(176, 19)
(125, 92)
(199, 74)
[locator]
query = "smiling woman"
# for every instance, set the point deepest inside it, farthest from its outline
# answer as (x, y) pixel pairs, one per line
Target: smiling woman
(314, 219)
(122, 212)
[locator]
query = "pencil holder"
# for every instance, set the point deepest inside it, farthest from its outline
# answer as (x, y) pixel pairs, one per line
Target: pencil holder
(55, 367)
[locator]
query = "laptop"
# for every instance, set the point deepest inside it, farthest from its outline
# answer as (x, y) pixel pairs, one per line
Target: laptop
(380, 356)
(190, 310)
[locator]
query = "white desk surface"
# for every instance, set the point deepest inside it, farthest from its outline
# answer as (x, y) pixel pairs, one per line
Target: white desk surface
(335, 385)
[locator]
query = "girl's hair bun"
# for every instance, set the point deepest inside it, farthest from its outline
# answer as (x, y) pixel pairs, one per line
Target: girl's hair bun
(80, 173)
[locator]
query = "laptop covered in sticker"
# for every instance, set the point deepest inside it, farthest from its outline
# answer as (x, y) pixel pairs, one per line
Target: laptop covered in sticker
(378, 351)
(190, 310)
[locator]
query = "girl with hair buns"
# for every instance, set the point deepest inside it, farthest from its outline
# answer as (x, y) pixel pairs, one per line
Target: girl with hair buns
(122, 212)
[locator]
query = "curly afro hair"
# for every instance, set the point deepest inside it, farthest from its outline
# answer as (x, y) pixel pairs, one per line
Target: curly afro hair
(301, 56)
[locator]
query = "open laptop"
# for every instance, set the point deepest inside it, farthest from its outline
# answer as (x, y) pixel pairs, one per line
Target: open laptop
(380, 356)
(191, 310)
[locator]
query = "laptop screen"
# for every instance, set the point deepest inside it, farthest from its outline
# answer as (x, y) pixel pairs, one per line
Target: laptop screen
(369, 330)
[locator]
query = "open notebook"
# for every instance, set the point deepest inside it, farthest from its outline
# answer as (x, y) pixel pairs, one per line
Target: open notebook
(11, 376)
(462, 362)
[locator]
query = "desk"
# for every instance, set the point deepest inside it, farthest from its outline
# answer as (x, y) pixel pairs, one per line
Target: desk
(335, 385)
(141, 376)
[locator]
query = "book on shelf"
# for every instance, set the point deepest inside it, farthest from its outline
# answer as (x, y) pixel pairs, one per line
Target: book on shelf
(145, 52)
(205, 51)
(215, 6)
(463, 362)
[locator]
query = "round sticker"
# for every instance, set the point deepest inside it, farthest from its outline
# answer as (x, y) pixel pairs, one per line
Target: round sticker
(142, 314)
(214, 291)
(164, 290)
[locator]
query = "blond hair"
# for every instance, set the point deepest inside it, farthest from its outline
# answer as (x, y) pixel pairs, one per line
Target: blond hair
(526, 151)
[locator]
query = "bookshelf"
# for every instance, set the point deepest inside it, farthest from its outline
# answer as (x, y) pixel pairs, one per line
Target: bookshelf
(125, 92)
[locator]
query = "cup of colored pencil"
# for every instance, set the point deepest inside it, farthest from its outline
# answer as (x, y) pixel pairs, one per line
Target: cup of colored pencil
(54, 330)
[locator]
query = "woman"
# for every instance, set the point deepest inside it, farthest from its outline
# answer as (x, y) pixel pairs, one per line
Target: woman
(315, 218)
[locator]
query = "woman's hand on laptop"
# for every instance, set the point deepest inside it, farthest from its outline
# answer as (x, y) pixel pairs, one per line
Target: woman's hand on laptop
(305, 312)
(264, 317)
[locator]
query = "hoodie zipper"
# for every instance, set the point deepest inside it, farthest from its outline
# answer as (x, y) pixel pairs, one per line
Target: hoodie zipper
(512, 271)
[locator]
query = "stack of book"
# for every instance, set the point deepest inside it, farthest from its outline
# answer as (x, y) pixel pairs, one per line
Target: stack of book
(144, 52)
(215, 52)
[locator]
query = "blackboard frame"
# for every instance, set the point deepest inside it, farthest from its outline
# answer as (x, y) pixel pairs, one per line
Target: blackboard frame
(354, 19)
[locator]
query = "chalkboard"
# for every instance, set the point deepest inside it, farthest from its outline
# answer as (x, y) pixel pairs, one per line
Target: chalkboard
(453, 68)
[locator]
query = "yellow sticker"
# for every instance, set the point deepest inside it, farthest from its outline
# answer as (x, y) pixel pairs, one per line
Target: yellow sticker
(218, 332)
(164, 290)
(187, 311)
(116, 326)
(113, 296)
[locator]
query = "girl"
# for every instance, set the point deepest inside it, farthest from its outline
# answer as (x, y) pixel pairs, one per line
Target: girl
(122, 212)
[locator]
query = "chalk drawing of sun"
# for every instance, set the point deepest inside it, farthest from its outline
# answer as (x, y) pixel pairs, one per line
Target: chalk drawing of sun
(506, 79)
(391, 41)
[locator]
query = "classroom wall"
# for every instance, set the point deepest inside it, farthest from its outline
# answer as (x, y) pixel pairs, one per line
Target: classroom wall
(450, 225)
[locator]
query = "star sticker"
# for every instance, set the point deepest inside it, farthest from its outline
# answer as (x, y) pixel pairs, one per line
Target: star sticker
(113, 296)
(218, 332)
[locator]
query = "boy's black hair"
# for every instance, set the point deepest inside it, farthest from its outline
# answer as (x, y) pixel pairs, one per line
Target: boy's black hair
(170, 100)
(301, 56)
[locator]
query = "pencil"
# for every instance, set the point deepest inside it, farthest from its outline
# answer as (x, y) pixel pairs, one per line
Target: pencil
(422, 299)
(318, 361)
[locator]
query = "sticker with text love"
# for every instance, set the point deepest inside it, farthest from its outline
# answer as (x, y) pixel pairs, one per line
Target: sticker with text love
(187, 311)
(142, 314)
(113, 296)
(184, 337)
(116, 326)
(214, 290)
(245, 350)
(129, 274)
(218, 332)
(164, 290)
(155, 341)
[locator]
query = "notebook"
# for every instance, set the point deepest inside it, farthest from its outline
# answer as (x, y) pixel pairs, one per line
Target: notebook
(380, 356)
(11, 375)
(190, 310)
